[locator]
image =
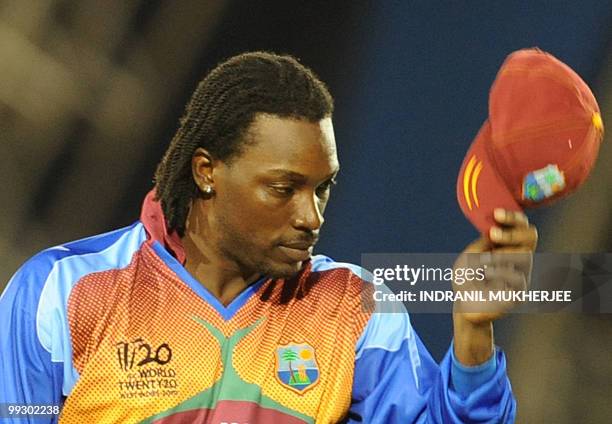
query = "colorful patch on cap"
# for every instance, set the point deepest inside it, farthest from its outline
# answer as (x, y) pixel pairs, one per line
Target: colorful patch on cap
(296, 366)
(470, 181)
(543, 183)
(598, 122)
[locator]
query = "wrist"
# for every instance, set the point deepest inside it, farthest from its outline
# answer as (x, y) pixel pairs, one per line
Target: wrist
(473, 342)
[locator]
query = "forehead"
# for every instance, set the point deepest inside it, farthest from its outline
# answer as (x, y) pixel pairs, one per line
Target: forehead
(295, 145)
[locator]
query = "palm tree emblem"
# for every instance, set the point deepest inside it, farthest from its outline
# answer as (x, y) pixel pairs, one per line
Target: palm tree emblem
(296, 366)
(290, 355)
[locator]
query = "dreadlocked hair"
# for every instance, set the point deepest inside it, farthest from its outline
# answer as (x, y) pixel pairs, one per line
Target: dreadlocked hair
(220, 112)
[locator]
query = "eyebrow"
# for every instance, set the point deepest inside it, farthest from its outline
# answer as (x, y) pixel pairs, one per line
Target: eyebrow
(285, 173)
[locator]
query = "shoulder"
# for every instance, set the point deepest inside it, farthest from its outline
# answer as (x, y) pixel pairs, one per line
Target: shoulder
(386, 324)
(387, 327)
(70, 261)
(41, 287)
(343, 273)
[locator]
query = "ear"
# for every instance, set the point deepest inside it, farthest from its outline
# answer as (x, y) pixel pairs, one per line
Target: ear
(202, 167)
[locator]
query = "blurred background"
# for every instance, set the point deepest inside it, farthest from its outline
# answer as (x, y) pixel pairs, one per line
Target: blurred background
(91, 93)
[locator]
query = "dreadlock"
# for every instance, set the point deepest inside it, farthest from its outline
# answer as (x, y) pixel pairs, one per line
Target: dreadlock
(220, 112)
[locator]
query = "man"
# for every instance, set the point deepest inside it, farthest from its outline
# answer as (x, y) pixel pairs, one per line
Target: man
(211, 308)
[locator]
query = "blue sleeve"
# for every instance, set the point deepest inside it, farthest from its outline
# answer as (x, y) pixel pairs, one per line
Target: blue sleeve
(28, 376)
(466, 379)
(397, 381)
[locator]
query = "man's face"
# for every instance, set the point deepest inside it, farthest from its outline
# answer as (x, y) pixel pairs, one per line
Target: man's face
(268, 205)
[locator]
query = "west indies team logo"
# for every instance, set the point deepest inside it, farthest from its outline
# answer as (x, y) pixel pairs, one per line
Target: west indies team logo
(543, 183)
(296, 366)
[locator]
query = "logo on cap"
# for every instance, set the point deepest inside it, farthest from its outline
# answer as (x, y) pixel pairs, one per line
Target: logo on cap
(543, 183)
(597, 121)
(470, 181)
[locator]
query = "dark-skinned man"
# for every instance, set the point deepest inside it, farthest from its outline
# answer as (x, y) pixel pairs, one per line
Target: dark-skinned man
(212, 307)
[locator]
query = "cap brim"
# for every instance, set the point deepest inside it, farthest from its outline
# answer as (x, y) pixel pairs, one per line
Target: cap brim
(480, 189)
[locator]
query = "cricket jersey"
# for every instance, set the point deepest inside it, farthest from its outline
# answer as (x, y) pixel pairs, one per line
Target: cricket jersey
(114, 329)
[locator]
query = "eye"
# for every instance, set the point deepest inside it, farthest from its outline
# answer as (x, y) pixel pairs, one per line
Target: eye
(282, 190)
(323, 189)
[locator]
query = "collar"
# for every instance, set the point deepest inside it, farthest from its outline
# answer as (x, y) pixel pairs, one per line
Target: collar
(154, 222)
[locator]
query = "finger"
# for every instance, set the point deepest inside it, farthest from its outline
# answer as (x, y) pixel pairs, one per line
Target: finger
(505, 278)
(514, 236)
(506, 256)
(502, 284)
(514, 257)
(510, 218)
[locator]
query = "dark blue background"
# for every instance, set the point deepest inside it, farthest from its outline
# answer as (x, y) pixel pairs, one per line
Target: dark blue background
(411, 83)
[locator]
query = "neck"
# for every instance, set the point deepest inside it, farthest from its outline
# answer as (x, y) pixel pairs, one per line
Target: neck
(220, 276)
(223, 279)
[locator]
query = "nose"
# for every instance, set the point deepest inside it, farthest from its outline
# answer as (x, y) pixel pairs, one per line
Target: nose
(308, 216)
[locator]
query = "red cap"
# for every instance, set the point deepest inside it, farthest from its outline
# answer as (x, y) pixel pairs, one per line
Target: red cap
(539, 143)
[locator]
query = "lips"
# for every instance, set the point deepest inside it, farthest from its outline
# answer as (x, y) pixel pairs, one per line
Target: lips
(297, 250)
(296, 254)
(299, 245)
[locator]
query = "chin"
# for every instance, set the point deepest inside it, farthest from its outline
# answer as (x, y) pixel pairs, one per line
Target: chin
(282, 270)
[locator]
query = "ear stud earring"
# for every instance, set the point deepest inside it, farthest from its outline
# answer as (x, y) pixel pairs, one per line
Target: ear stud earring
(207, 190)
